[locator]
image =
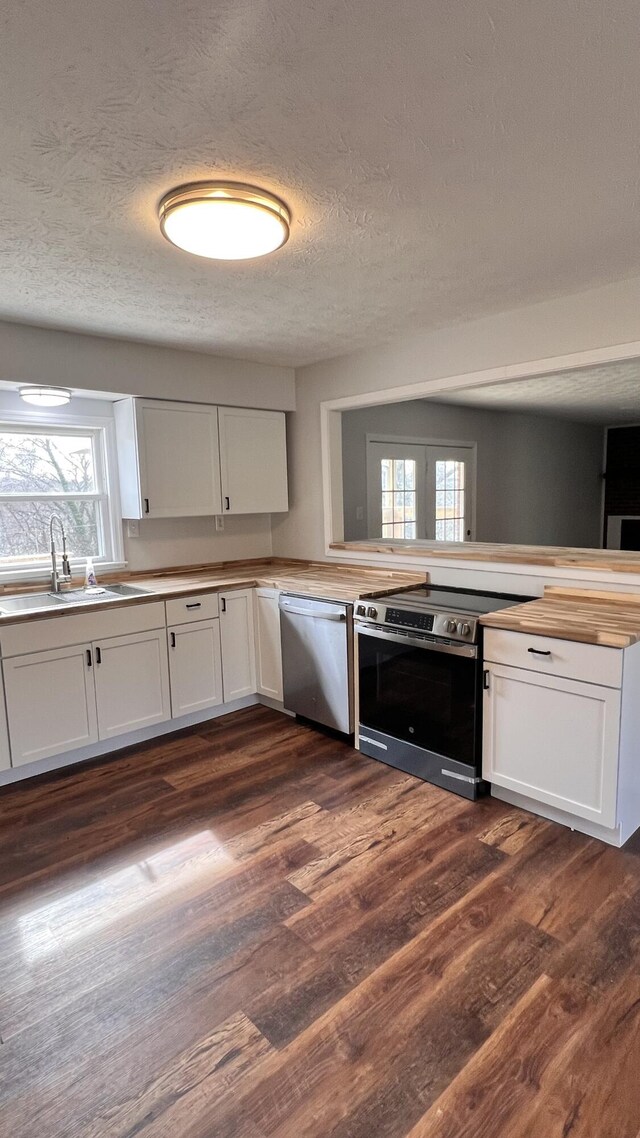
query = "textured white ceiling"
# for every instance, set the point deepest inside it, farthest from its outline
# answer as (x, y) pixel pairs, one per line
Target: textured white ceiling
(607, 395)
(442, 161)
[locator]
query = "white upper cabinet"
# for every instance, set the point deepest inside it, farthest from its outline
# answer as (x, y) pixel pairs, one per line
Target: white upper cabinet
(169, 459)
(253, 461)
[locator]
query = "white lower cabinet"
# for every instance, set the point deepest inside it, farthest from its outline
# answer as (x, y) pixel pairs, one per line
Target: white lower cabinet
(561, 730)
(553, 740)
(132, 682)
(238, 644)
(195, 666)
(268, 646)
(51, 702)
(5, 753)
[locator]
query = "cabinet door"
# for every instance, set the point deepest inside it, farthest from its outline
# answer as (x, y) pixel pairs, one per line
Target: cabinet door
(51, 705)
(132, 682)
(238, 646)
(169, 459)
(268, 647)
(253, 461)
(195, 666)
(553, 740)
(5, 755)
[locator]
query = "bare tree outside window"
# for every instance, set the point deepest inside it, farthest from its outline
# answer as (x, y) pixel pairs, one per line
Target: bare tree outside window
(42, 472)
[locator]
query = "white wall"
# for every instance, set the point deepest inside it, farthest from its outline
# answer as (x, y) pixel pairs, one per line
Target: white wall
(596, 319)
(538, 478)
(164, 542)
(96, 363)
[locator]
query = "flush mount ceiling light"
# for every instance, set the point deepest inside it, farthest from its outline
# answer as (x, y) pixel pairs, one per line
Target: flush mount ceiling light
(45, 396)
(224, 220)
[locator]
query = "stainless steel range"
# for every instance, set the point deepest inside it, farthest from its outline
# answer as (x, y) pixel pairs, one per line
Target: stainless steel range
(420, 682)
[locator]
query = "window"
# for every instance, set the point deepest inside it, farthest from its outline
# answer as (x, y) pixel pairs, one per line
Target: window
(398, 476)
(63, 470)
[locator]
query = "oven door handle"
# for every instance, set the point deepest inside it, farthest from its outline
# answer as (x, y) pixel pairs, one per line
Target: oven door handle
(469, 651)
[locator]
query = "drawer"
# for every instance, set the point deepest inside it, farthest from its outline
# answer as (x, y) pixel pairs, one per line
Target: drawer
(547, 654)
(198, 606)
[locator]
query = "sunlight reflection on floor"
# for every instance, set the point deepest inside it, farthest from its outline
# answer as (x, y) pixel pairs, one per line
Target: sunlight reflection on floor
(52, 927)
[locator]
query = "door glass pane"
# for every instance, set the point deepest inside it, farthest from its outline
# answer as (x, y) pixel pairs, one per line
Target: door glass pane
(399, 507)
(450, 500)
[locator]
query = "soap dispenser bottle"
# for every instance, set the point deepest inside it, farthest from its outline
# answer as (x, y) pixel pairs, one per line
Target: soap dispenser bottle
(90, 581)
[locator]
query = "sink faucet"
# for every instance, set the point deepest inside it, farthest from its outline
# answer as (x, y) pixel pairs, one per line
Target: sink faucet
(57, 579)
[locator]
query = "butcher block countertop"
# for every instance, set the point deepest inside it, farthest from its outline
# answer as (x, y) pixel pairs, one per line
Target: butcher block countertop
(558, 557)
(313, 579)
(589, 615)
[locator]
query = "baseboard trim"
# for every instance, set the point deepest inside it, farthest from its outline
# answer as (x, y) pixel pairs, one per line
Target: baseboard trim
(582, 825)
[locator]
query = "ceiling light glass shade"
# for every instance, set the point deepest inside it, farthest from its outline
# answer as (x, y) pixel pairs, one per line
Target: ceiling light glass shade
(45, 396)
(224, 221)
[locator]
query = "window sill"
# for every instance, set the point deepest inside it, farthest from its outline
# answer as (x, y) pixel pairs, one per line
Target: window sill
(23, 577)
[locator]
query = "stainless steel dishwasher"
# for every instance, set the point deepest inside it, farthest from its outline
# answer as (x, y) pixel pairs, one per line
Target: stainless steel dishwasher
(317, 660)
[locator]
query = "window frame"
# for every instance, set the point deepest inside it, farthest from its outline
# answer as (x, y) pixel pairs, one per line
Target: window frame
(102, 430)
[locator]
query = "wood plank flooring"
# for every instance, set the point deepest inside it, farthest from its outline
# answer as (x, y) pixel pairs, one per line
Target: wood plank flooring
(251, 931)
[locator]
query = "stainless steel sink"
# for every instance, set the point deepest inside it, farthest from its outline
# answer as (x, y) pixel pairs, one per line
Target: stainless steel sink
(31, 602)
(37, 602)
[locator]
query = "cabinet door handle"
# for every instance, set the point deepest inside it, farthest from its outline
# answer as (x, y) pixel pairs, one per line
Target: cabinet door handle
(194, 605)
(146, 505)
(538, 652)
(173, 639)
(227, 504)
(98, 656)
(223, 604)
(485, 679)
(89, 660)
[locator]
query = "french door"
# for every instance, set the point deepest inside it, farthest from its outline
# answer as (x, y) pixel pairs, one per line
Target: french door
(419, 491)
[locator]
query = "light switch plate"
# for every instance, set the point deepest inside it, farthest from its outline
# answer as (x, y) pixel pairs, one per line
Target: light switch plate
(219, 523)
(133, 529)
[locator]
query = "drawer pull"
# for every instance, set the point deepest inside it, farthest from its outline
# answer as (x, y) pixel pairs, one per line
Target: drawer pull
(173, 639)
(539, 652)
(194, 605)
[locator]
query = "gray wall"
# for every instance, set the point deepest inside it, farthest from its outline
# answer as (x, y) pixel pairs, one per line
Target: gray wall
(538, 479)
(592, 320)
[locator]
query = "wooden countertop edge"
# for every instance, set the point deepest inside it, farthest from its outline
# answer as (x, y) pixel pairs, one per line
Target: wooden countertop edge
(285, 575)
(561, 558)
(603, 638)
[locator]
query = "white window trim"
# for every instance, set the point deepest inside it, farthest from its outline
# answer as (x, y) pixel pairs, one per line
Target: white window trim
(107, 458)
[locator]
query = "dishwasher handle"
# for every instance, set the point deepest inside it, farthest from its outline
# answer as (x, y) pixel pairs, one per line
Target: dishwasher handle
(336, 616)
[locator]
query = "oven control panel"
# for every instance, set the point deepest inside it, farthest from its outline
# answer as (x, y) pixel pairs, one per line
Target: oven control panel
(404, 618)
(447, 625)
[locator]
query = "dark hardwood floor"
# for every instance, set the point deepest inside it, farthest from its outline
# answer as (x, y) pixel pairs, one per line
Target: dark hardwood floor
(251, 931)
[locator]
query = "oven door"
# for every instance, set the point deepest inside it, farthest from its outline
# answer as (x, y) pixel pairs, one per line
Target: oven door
(419, 691)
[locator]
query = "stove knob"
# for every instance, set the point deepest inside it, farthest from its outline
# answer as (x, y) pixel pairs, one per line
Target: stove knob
(464, 629)
(451, 626)
(372, 612)
(361, 610)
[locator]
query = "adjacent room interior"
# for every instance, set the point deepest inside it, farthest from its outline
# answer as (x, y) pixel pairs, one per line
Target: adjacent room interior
(319, 570)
